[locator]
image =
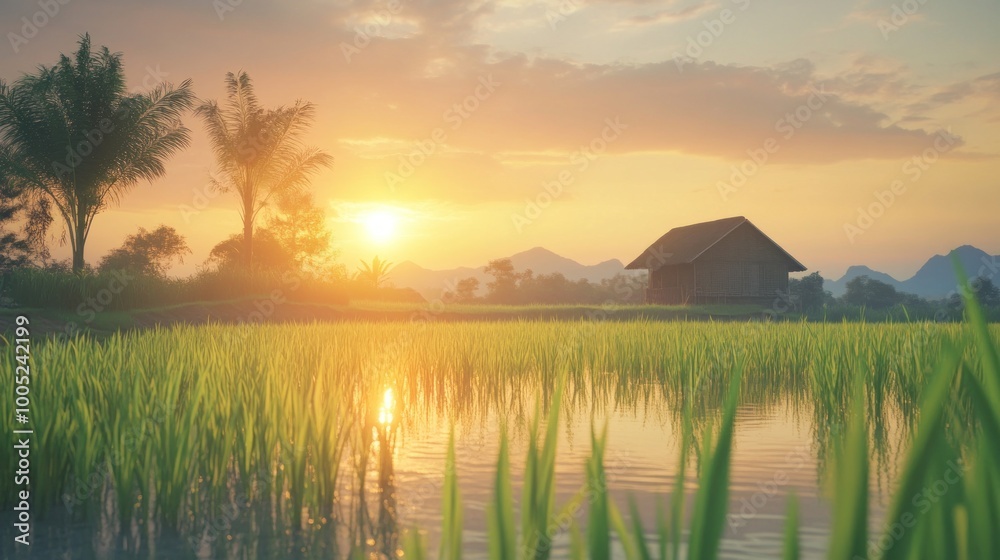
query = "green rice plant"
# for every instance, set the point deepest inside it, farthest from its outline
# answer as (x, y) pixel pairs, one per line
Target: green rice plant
(674, 534)
(577, 548)
(791, 543)
(948, 531)
(295, 453)
(632, 547)
(977, 519)
(598, 517)
(186, 418)
(925, 451)
(538, 491)
(850, 508)
(639, 534)
(500, 513)
(663, 532)
(413, 546)
(451, 511)
(329, 442)
(983, 513)
(712, 501)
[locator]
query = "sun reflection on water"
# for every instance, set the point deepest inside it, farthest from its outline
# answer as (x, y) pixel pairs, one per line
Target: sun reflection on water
(387, 410)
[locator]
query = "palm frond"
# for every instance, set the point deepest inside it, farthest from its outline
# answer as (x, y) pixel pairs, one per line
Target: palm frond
(74, 133)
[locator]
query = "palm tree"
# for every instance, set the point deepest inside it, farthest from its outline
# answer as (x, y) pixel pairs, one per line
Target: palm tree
(374, 273)
(259, 152)
(74, 135)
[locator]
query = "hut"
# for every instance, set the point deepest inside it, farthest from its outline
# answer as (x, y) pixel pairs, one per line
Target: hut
(724, 261)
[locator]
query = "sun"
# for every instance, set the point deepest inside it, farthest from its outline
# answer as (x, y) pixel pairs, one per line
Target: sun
(380, 225)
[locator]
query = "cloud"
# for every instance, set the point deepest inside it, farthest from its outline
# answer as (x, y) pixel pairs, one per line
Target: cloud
(881, 12)
(667, 16)
(707, 109)
(420, 70)
(982, 89)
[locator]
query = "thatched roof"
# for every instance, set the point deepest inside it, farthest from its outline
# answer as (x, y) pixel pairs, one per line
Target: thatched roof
(683, 245)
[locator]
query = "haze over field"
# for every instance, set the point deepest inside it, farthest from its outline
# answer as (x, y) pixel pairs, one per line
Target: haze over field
(504, 279)
(451, 120)
(935, 278)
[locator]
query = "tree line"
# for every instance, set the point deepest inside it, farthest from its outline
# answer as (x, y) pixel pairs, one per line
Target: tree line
(74, 141)
(508, 286)
(807, 295)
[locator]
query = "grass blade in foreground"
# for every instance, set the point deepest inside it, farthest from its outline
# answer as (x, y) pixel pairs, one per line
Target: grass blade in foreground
(925, 451)
(502, 532)
(451, 523)
(677, 499)
(538, 496)
(413, 546)
(598, 523)
(850, 508)
(638, 533)
(791, 549)
(624, 536)
(977, 320)
(712, 501)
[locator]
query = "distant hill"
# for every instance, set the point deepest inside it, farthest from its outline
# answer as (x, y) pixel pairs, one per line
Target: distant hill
(935, 279)
(839, 286)
(432, 283)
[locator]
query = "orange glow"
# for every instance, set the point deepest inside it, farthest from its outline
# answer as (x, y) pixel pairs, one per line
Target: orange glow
(380, 225)
(387, 410)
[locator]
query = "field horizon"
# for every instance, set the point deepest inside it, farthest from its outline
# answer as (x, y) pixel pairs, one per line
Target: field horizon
(697, 280)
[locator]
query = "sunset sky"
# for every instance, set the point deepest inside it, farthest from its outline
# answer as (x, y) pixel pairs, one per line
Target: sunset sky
(620, 119)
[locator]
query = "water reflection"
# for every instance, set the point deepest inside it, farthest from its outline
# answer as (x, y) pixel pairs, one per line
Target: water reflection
(390, 444)
(388, 408)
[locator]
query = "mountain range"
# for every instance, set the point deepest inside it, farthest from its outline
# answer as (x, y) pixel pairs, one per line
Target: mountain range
(432, 283)
(935, 279)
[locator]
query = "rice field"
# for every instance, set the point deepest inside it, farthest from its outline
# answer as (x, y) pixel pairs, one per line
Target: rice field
(520, 439)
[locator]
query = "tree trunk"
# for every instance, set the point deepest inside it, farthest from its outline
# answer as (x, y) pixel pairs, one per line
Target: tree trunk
(247, 244)
(248, 228)
(78, 258)
(80, 238)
